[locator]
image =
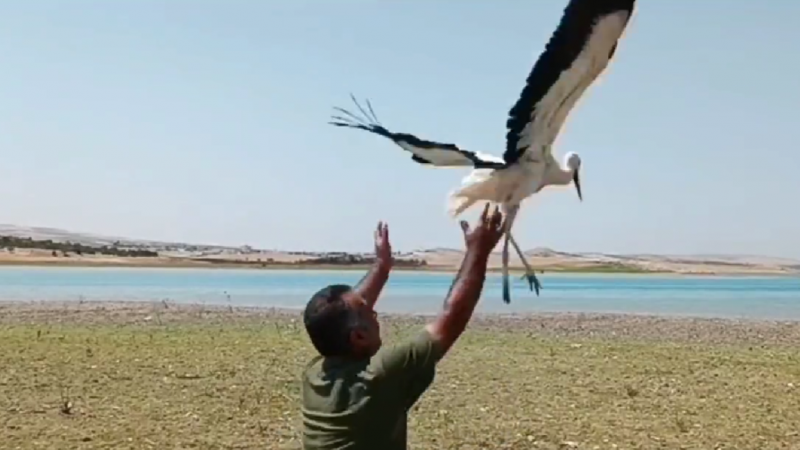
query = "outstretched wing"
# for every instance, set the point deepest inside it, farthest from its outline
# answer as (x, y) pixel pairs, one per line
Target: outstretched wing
(424, 152)
(578, 51)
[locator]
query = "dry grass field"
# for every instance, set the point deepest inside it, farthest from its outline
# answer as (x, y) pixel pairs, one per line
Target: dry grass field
(160, 376)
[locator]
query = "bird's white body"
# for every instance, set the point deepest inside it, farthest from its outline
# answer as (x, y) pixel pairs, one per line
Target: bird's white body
(508, 186)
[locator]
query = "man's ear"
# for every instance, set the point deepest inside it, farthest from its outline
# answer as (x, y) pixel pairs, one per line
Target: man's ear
(357, 337)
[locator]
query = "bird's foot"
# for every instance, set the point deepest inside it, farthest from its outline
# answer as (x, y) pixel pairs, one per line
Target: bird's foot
(533, 282)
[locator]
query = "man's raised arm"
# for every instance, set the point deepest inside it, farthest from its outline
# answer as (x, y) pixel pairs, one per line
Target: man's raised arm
(372, 284)
(468, 285)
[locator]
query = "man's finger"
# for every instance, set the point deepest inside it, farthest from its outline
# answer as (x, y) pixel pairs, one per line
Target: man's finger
(485, 212)
(500, 229)
(497, 217)
(464, 226)
(385, 231)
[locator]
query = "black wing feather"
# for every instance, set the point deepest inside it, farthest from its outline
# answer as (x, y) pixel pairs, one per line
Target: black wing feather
(423, 151)
(563, 48)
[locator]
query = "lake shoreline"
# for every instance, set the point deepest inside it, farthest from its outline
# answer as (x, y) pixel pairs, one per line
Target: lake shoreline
(189, 264)
(145, 263)
(636, 327)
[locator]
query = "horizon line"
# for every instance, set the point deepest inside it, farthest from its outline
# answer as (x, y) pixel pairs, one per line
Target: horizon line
(145, 241)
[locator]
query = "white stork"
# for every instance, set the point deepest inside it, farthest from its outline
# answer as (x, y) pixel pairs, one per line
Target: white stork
(578, 51)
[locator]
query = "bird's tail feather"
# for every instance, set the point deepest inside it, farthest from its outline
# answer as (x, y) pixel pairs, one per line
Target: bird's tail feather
(479, 185)
(456, 205)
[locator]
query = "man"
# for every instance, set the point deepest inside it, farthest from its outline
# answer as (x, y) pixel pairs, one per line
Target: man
(356, 395)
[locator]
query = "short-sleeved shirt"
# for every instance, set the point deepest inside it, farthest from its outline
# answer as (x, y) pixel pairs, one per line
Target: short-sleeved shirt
(354, 405)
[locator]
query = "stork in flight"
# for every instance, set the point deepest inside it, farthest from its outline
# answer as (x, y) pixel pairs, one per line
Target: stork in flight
(578, 51)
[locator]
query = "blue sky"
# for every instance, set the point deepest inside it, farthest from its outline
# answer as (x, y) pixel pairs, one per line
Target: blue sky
(207, 121)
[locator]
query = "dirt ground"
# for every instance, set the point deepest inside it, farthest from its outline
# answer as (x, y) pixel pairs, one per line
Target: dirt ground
(159, 375)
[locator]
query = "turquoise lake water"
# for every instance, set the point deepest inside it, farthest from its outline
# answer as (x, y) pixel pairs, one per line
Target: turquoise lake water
(738, 297)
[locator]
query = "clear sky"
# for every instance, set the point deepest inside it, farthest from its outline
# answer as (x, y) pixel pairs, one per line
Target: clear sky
(207, 122)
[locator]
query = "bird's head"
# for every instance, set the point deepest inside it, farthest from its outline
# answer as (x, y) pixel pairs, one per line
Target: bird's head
(573, 163)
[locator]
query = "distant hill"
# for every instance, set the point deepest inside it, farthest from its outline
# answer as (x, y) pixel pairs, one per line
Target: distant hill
(540, 257)
(59, 235)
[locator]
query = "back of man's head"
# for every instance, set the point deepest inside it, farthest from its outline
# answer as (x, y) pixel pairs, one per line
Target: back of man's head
(328, 319)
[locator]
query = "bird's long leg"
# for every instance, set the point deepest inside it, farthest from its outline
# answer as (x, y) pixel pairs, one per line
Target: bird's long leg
(530, 274)
(506, 287)
(511, 214)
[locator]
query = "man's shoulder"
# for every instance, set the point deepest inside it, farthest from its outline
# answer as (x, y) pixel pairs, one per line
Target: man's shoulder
(417, 351)
(321, 370)
(420, 341)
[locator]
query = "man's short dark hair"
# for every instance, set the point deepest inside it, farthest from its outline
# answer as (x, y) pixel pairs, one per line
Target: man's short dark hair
(329, 319)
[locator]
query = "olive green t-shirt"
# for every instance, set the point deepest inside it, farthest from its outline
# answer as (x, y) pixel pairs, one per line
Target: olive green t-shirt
(358, 405)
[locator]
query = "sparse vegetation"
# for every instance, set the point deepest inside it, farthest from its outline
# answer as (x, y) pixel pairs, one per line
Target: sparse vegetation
(333, 260)
(600, 268)
(12, 242)
(208, 377)
(349, 259)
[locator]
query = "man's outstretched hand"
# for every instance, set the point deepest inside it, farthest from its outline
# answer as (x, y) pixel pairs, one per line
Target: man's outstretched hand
(486, 234)
(383, 248)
